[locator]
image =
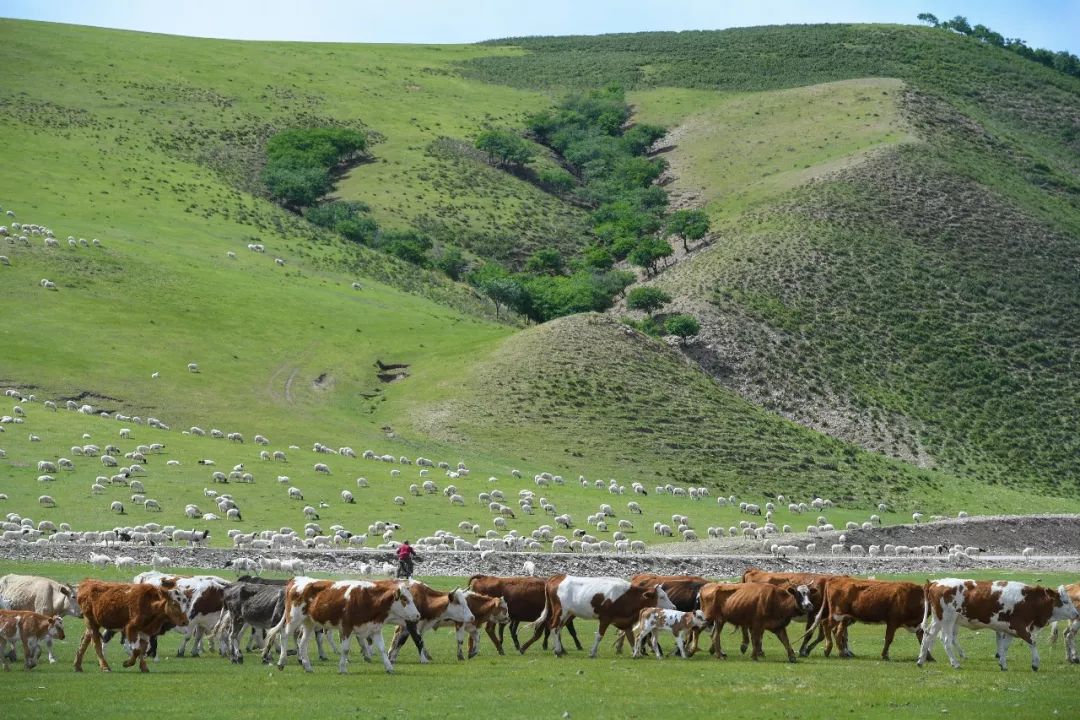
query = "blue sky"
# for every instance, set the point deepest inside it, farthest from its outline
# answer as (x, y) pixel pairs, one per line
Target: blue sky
(1053, 24)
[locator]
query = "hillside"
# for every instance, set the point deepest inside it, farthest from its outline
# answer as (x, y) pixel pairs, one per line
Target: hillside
(918, 296)
(852, 292)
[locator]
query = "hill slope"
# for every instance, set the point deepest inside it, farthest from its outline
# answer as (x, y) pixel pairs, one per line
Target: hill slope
(919, 300)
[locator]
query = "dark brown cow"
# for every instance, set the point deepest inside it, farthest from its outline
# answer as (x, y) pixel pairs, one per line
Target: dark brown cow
(485, 610)
(611, 601)
(524, 598)
(755, 607)
(848, 600)
(814, 581)
(1009, 608)
(349, 606)
(139, 611)
(29, 628)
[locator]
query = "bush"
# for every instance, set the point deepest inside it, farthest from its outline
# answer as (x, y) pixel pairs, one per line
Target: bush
(684, 326)
(505, 147)
(452, 262)
(558, 181)
(546, 261)
(298, 162)
(347, 218)
(408, 245)
(647, 299)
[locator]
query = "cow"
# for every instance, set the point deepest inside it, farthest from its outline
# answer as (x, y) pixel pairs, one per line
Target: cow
(485, 610)
(41, 595)
(652, 620)
(349, 606)
(683, 592)
(848, 600)
(202, 597)
(524, 598)
(436, 608)
(31, 629)
(1009, 608)
(139, 610)
(814, 581)
(611, 601)
(1073, 627)
(754, 607)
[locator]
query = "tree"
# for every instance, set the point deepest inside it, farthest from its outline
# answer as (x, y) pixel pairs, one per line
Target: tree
(648, 251)
(545, 261)
(688, 225)
(685, 326)
(452, 262)
(495, 282)
(505, 147)
(929, 18)
(648, 299)
(959, 23)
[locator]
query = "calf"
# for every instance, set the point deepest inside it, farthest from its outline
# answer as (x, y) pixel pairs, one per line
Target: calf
(31, 629)
(1011, 609)
(485, 610)
(848, 600)
(202, 597)
(816, 584)
(653, 620)
(524, 598)
(436, 608)
(139, 611)
(682, 590)
(611, 601)
(38, 594)
(349, 606)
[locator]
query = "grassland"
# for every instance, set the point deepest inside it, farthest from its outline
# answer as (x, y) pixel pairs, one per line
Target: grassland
(538, 685)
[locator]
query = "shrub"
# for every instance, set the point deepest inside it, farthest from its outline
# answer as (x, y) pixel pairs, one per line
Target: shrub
(647, 299)
(684, 326)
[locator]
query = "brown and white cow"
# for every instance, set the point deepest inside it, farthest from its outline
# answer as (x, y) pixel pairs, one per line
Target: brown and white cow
(814, 581)
(485, 610)
(609, 600)
(524, 598)
(1070, 631)
(754, 607)
(31, 629)
(203, 600)
(38, 594)
(351, 607)
(678, 623)
(1009, 608)
(138, 611)
(436, 608)
(848, 600)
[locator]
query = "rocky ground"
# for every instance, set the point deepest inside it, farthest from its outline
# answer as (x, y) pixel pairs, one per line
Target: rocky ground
(1055, 537)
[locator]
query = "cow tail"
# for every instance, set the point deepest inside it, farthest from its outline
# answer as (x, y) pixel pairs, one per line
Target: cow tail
(822, 614)
(272, 633)
(925, 605)
(539, 622)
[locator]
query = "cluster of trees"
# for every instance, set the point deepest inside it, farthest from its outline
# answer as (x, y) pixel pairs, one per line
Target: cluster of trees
(299, 162)
(651, 299)
(1062, 61)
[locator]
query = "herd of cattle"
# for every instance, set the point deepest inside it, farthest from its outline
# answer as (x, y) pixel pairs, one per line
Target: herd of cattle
(208, 607)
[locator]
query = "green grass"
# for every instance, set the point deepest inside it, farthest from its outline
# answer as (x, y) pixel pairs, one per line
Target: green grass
(738, 149)
(538, 685)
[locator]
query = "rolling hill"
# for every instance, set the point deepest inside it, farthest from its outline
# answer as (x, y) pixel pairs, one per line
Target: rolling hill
(888, 296)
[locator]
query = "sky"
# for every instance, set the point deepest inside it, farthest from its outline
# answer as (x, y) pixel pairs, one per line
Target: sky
(1053, 24)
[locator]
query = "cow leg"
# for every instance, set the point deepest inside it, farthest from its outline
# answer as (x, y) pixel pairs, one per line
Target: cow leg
(781, 633)
(196, 640)
(842, 638)
(680, 643)
(4, 657)
(717, 647)
(29, 646)
(656, 646)
(459, 637)
(399, 639)
(573, 633)
(1003, 641)
(343, 663)
(474, 642)
(599, 636)
(139, 643)
(745, 641)
(1034, 651)
(890, 633)
(377, 637)
(304, 651)
(48, 645)
(1070, 642)
(318, 643)
(537, 632)
(757, 632)
(186, 633)
(496, 638)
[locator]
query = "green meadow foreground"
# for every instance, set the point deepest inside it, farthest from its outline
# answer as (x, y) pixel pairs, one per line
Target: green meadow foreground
(539, 685)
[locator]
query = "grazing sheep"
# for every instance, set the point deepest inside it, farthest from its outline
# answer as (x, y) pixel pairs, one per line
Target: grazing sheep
(295, 494)
(152, 504)
(193, 367)
(117, 507)
(399, 500)
(347, 497)
(1028, 552)
(917, 517)
(322, 468)
(46, 501)
(99, 560)
(361, 482)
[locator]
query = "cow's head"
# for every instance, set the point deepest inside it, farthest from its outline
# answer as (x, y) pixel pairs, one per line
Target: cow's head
(458, 608)
(502, 611)
(801, 593)
(72, 595)
(56, 627)
(173, 607)
(403, 606)
(1065, 609)
(697, 619)
(662, 599)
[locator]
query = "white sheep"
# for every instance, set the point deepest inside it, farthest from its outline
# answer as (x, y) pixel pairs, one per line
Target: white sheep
(193, 367)
(295, 494)
(399, 500)
(322, 468)
(117, 507)
(46, 501)
(99, 560)
(347, 497)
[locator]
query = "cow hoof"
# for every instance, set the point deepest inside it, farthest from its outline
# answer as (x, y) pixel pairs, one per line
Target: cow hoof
(1034, 668)
(804, 653)
(792, 659)
(179, 653)
(77, 669)
(52, 661)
